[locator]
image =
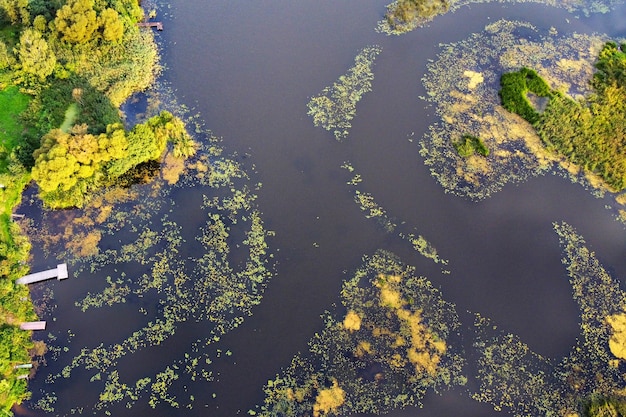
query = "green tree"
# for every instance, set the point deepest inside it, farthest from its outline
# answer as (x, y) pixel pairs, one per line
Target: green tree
(76, 21)
(35, 55)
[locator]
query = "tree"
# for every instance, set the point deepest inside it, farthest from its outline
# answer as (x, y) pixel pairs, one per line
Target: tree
(55, 169)
(76, 21)
(111, 25)
(68, 165)
(6, 57)
(16, 11)
(35, 55)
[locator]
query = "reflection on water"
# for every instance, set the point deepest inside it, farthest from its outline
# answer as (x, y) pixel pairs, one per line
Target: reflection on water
(250, 69)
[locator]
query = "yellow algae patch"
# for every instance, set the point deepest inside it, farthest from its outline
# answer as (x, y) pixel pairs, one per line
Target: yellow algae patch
(617, 342)
(328, 400)
(475, 78)
(352, 321)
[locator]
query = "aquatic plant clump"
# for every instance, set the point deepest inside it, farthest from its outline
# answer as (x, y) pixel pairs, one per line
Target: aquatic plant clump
(403, 16)
(368, 204)
(392, 346)
(335, 106)
(468, 104)
(512, 376)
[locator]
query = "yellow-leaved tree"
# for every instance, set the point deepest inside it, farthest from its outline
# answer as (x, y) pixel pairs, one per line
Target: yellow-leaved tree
(76, 21)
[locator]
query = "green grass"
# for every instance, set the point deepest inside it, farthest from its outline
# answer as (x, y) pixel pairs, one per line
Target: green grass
(12, 104)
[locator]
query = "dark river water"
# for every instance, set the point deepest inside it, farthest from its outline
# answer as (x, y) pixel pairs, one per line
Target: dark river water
(249, 68)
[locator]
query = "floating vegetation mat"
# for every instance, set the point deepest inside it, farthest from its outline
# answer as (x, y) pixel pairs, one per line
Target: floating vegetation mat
(155, 274)
(399, 338)
(335, 106)
(373, 210)
(404, 16)
(513, 377)
(463, 84)
(394, 343)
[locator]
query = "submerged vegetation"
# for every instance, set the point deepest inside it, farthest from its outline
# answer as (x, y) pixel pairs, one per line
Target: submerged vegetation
(513, 377)
(335, 106)
(392, 345)
(373, 210)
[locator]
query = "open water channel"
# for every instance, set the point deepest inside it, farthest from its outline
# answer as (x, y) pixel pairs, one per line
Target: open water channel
(248, 69)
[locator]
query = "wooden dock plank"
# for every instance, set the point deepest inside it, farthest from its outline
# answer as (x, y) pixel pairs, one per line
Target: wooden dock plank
(33, 325)
(60, 272)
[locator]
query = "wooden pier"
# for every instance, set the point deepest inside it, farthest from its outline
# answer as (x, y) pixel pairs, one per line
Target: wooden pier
(60, 272)
(33, 325)
(157, 25)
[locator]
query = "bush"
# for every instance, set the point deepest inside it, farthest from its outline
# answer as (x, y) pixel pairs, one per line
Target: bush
(469, 145)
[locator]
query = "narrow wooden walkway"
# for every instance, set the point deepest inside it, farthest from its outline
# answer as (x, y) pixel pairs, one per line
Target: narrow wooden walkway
(157, 25)
(33, 325)
(60, 272)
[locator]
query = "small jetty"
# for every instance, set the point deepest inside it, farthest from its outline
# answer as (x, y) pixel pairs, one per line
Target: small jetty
(60, 272)
(23, 366)
(157, 25)
(33, 325)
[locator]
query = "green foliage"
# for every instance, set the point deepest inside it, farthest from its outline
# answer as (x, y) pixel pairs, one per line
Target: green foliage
(514, 89)
(93, 108)
(147, 141)
(335, 106)
(469, 145)
(6, 56)
(605, 407)
(611, 66)
(111, 25)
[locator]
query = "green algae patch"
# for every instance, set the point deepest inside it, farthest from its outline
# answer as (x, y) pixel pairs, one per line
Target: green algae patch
(392, 346)
(465, 106)
(335, 106)
(513, 377)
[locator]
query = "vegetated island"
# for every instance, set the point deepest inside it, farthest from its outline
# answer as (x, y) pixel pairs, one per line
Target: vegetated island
(463, 84)
(590, 132)
(65, 68)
